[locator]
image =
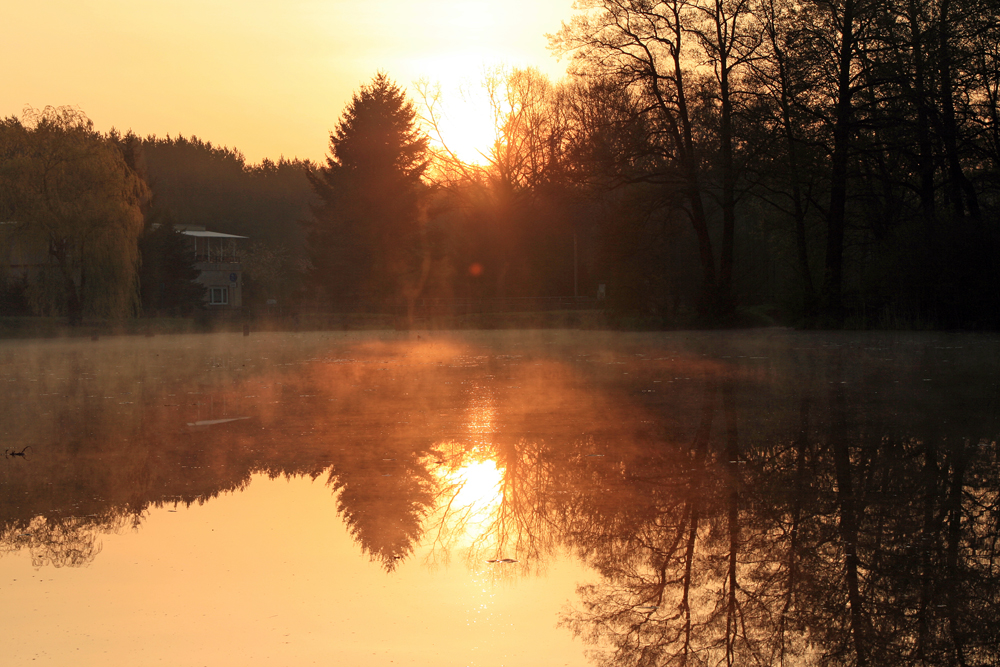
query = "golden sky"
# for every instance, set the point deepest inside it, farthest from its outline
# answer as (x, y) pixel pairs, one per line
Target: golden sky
(269, 78)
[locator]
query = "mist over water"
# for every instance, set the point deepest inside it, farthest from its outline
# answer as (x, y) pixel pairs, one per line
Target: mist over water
(502, 498)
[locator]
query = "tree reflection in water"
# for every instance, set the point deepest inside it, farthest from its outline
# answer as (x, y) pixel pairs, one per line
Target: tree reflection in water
(492, 508)
(844, 544)
(822, 506)
(68, 542)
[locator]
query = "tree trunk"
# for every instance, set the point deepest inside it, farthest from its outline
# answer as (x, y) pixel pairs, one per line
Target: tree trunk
(785, 95)
(925, 157)
(927, 542)
(952, 576)
(700, 447)
(725, 292)
(733, 521)
(848, 522)
(792, 581)
(833, 307)
(74, 305)
(961, 192)
(680, 128)
(699, 219)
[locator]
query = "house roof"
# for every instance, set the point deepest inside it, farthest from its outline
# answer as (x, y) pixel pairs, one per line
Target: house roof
(212, 235)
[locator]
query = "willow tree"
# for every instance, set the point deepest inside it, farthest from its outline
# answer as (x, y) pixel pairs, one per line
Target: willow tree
(75, 208)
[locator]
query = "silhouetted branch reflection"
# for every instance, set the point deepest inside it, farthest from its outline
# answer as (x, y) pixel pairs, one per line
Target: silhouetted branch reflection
(662, 594)
(496, 505)
(843, 546)
(67, 542)
(803, 501)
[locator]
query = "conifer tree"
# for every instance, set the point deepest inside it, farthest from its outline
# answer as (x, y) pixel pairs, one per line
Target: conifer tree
(364, 238)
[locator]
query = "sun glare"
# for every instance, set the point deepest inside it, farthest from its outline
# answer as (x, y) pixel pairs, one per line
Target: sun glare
(472, 497)
(474, 478)
(478, 486)
(462, 109)
(467, 130)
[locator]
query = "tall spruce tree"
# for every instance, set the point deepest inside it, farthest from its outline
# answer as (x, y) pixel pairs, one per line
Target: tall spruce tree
(364, 238)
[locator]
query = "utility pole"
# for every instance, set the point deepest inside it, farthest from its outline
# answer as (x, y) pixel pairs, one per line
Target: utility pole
(576, 293)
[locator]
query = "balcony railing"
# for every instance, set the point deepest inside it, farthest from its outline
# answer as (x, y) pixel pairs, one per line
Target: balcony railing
(218, 258)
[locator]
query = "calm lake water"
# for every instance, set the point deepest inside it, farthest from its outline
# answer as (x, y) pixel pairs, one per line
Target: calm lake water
(501, 498)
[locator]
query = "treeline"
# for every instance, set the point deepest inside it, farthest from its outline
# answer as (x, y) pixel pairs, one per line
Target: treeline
(830, 163)
(823, 163)
(89, 218)
(197, 183)
(842, 152)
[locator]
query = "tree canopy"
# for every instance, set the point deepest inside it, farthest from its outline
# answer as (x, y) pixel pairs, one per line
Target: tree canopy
(364, 238)
(708, 162)
(848, 144)
(168, 275)
(73, 199)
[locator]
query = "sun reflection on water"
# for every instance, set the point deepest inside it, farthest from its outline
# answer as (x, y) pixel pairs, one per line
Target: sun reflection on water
(471, 497)
(476, 487)
(471, 486)
(481, 418)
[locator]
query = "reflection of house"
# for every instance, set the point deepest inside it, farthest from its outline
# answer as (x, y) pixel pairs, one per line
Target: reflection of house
(217, 257)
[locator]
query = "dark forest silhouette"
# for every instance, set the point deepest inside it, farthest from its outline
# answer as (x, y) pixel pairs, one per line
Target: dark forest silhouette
(718, 163)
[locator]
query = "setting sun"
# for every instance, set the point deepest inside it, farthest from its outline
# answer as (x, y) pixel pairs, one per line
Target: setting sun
(466, 124)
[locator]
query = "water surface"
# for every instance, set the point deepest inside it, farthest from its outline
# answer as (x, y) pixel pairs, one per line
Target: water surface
(501, 498)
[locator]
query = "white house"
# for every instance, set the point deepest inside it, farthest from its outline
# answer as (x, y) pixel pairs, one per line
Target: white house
(217, 257)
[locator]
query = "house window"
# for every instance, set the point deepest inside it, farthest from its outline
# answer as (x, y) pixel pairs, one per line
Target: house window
(219, 296)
